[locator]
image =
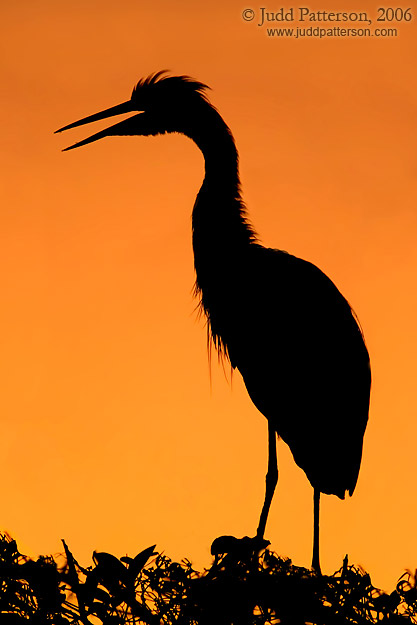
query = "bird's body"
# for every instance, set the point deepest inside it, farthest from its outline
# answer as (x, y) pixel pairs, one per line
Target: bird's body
(279, 319)
(286, 327)
(281, 330)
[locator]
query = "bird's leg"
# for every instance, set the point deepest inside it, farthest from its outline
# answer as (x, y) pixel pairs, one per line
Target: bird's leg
(271, 479)
(316, 555)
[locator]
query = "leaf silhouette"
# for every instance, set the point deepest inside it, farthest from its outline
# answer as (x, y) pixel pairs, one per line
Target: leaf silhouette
(136, 564)
(110, 570)
(236, 590)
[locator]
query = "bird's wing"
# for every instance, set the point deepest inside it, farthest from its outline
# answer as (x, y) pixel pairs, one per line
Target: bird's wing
(304, 362)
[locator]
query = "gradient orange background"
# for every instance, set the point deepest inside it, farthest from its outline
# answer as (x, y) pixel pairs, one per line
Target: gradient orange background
(111, 436)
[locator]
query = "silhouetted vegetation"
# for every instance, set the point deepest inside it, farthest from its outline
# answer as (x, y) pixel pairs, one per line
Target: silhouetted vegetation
(241, 587)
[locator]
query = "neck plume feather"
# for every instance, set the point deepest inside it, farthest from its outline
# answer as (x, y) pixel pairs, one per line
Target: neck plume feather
(222, 234)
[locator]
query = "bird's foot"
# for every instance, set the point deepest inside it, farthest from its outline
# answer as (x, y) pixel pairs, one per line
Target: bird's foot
(315, 567)
(238, 547)
(259, 543)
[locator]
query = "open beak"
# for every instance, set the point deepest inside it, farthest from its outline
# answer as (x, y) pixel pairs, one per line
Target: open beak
(125, 127)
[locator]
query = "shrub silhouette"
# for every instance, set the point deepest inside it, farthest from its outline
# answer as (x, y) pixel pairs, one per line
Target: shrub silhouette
(242, 587)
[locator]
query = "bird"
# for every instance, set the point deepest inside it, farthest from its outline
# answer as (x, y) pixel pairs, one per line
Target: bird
(279, 320)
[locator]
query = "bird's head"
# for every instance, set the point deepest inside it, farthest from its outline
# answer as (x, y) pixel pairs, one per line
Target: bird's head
(164, 103)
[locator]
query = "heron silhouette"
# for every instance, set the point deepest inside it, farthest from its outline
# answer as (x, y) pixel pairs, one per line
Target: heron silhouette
(278, 319)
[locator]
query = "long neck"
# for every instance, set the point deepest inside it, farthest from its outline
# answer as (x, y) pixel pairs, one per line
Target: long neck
(216, 142)
(221, 232)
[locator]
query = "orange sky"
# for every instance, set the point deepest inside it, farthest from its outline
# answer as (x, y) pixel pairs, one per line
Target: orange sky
(111, 435)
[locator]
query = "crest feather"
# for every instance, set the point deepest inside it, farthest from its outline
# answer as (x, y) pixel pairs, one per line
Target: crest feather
(162, 79)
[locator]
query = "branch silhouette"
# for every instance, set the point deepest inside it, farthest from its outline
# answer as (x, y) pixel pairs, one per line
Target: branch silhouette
(241, 587)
